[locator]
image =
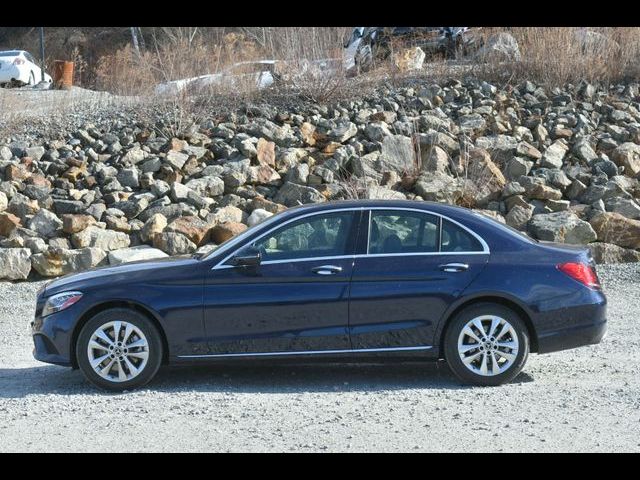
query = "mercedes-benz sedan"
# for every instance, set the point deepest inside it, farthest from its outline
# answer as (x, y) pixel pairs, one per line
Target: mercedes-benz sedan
(354, 279)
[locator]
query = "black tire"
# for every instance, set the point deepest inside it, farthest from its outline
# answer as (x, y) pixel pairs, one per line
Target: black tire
(455, 327)
(149, 330)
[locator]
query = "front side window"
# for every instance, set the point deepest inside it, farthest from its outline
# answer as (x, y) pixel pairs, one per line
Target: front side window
(323, 235)
(403, 232)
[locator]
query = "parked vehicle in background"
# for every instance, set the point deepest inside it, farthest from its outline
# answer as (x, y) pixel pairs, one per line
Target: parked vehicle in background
(366, 45)
(19, 68)
(251, 74)
(362, 279)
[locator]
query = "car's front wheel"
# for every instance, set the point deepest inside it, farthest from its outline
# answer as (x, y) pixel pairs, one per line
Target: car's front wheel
(486, 344)
(119, 349)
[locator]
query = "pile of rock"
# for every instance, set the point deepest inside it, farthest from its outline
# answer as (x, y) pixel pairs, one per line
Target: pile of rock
(560, 164)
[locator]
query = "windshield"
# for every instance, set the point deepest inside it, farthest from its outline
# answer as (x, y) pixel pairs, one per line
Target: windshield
(10, 53)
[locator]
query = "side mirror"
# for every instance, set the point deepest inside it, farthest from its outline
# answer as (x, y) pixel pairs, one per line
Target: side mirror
(249, 257)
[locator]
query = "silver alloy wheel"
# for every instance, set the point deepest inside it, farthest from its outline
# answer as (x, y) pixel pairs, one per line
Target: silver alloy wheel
(118, 351)
(488, 345)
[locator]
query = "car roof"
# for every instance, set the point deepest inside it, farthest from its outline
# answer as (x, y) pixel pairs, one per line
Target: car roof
(435, 207)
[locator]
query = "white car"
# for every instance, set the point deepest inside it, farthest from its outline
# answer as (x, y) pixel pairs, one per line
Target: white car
(258, 74)
(18, 68)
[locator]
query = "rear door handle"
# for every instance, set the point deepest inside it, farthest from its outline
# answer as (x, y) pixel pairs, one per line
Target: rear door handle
(326, 270)
(454, 267)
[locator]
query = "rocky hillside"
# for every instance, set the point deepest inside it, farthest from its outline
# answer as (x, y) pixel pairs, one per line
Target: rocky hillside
(562, 165)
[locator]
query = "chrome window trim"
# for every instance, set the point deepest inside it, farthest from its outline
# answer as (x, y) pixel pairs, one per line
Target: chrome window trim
(485, 247)
(309, 259)
(310, 352)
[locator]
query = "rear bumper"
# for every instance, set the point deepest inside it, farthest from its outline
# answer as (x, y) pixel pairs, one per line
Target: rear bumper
(12, 72)
(576, 327)
(572, 337)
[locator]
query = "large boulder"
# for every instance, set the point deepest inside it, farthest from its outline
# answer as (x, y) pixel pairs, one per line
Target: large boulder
(343, 132)
(155, 224)
(258, 216)
(553, 156)
(76, 223)
(500, 47)
(8, 223)
(439, 187)
(45, 223)
(563, 227)
(624, 206)
(409, 59)
(134, 254)
(519, 216)
(485, 174)
(435, 159)
(225, 231)
(94, 236)
(397, 155)
(266, 152)
(173, 243)
(15, 263)
(291, 194)
(627, 155)
(614, 228)
(610, 253)
(226, 214)
(56, 261)
(207, 186)
(194, 228)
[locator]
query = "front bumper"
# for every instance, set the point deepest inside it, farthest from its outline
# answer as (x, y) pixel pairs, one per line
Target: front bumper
(52, 335)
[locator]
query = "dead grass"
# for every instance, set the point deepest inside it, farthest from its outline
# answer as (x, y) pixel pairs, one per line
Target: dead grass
(555, 56)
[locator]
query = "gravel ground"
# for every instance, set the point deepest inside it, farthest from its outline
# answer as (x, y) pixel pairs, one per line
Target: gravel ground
(586, 399)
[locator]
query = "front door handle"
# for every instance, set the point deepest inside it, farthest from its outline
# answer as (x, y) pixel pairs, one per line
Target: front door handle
(327, 270)
(454, 267)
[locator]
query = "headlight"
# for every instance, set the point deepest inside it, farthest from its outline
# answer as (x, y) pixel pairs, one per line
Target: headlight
(60, 301)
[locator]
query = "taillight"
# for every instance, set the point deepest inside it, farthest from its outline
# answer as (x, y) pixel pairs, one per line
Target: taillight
(18, 61)
(581, 272)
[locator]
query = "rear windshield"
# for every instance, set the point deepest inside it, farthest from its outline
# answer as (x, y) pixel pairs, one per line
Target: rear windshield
(10, 53)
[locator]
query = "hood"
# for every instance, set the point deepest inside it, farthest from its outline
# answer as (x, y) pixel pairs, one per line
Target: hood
(118, 273)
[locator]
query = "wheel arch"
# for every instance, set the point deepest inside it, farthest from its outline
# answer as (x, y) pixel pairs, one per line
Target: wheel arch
(489, 298)
(128, 304)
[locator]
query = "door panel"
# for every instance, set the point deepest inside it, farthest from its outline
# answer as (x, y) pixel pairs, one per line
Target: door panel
(278, 307)
(286, 304)
(411, 268)
(397, 301)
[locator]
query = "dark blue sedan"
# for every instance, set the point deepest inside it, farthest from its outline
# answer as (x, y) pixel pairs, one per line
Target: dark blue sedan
(347, 279)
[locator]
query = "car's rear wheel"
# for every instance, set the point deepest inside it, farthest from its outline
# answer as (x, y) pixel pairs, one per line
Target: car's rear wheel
(119, 349)
(486, 344)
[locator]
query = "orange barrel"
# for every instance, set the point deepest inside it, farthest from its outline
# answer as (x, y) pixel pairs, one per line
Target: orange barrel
(62, 74)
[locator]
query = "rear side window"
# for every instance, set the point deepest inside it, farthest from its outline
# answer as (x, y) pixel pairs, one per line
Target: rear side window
(393, 231)
(457, 239)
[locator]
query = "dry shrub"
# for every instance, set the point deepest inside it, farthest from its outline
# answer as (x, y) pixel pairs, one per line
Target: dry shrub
(125, 73)
(554, 56)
